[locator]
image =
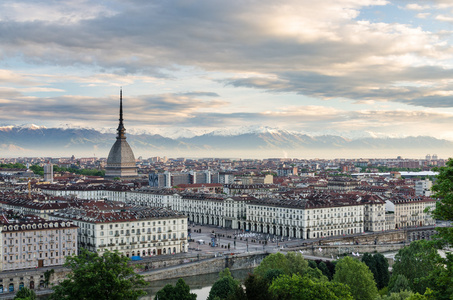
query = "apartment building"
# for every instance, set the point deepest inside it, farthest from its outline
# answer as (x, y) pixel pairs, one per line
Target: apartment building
(410, 211)
(130, 230)
(32, 242)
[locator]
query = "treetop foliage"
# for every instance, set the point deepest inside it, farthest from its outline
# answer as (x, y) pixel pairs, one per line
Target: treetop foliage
(106, 277)
(181, 291)
(358, 277)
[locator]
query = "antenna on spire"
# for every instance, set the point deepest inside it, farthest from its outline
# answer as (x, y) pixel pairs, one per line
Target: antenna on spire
(121, 105)
(121, 128)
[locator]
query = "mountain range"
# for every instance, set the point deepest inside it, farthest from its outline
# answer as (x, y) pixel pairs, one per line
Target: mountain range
(32, 140)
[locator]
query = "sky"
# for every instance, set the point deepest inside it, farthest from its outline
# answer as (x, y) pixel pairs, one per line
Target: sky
(348, 67)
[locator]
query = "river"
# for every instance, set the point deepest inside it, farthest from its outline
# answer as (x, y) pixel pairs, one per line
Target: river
(199, 285)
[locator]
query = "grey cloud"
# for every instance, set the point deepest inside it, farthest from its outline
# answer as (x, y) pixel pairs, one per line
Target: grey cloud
(146, 109)
(200, 94)
(147, 37)
(382, 84)
(430, 101)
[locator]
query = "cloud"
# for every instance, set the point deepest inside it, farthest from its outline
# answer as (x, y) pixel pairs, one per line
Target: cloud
(145, 109)
(326, 50)
(416, 6)
(59, 12)
(413, 86)
(444, 18)
(423, 15)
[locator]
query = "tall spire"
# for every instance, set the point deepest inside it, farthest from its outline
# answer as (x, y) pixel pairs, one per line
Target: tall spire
(121, 130)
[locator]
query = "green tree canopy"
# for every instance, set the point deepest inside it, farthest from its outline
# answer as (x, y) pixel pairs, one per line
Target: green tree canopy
(13, 166)
(181, 291)
(443, 190)
(99, 278)
(416, 262)
(291, 263)
(379, 266)
(399, 283)
(357, 276)
(224, 287)
(256, 287)
(25, 294)
(297, 287)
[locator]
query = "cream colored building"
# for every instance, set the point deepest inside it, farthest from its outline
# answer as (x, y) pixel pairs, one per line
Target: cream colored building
(374, 213)
(218, 210)
(36, 243)
(130, 230)
(305, 218)
(410, 211)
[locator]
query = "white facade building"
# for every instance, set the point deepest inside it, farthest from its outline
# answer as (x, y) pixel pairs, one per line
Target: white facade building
(132, 231)
(35, 242)
(410, 211)
(423, 187)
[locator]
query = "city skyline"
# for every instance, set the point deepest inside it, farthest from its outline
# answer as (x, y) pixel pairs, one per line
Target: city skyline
(352, 68)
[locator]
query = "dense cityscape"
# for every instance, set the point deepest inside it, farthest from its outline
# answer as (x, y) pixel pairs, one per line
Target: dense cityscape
(275, 150)
(279, 204)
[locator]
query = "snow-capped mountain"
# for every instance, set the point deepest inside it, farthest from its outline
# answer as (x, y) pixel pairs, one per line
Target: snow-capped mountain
(261, 140)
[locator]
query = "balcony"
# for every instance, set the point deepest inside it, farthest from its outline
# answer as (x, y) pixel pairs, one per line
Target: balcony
(111, 245)
(122, 244)
(102, 245)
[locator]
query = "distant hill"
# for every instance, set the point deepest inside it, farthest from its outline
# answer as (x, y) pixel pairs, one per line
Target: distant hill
(34, 140)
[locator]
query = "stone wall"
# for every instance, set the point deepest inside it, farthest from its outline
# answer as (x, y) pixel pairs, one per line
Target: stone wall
(207, 266)
(341, 250)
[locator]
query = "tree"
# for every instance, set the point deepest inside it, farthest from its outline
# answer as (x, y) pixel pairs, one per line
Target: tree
(357, 276)
(272, 261)
(408, 295)
(416, 262)
(224, 286)
(256, 287)
(379, 266)
(291, 263)
(325, 271)
(296, 263)
(399, 283)
(272, 274)
(180, 291)
(443, 190)
(25, 294)
(99, 277)
(304, 288)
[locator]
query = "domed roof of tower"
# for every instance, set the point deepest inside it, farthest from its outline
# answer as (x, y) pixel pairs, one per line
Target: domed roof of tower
(121, 159)
(121, 153)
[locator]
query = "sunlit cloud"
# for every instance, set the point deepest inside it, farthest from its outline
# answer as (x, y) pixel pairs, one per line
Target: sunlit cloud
(315, 66)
